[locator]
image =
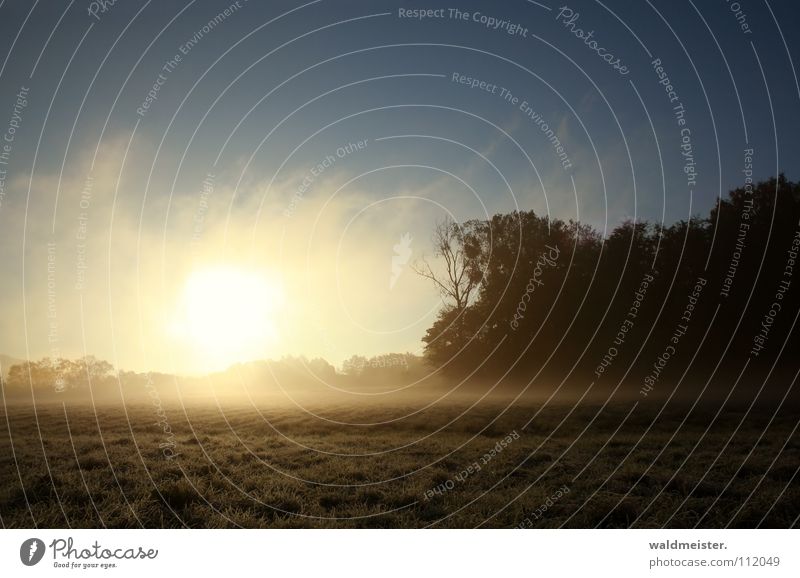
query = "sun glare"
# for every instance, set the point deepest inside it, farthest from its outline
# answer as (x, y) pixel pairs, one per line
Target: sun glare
(228, 315)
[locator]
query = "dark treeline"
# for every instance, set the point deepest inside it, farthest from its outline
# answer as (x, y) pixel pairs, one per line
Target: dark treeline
(525, 294)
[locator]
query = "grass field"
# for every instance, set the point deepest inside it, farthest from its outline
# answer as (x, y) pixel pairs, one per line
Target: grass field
(231, 466)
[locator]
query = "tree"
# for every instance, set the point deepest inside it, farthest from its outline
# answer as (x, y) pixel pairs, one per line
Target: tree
(621, 297)
(458, 247)
(59, 375)
(354, 365)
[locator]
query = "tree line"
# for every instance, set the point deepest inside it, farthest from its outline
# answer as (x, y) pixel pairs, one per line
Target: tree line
(524, 294)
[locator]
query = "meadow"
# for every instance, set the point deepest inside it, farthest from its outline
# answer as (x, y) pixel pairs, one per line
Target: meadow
(212, 466)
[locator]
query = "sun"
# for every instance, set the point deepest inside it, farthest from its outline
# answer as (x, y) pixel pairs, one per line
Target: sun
(229, 315)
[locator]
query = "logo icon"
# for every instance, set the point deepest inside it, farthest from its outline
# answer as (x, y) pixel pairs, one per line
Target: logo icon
(31, 552)
(402, 253)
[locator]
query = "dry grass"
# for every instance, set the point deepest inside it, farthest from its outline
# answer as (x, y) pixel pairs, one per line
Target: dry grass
(278, 467)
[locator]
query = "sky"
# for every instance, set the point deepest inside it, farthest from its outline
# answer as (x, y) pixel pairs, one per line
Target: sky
(186, 185)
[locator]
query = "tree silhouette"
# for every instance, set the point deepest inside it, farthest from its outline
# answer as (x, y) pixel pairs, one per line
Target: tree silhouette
(455, 246)
(574, 316)
(60, 375)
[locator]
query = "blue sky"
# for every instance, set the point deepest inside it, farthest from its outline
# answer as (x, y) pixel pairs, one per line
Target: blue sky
(271, 90)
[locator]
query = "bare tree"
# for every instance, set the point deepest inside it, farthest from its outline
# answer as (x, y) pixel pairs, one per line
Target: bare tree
(460, 277)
